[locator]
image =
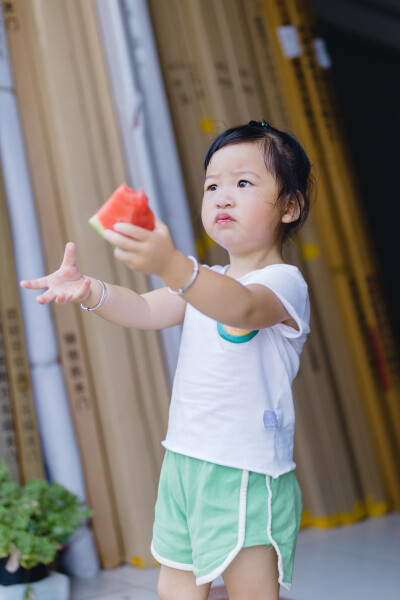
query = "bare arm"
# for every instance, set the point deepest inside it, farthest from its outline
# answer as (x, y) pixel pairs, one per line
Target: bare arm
(220, 297)
(225, 299)
(153, 310)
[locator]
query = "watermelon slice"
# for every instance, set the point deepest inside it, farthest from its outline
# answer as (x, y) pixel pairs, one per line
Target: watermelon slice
(124, 205)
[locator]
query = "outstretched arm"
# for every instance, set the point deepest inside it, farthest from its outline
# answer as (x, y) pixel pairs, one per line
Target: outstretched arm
(154, 310)
(220, 297)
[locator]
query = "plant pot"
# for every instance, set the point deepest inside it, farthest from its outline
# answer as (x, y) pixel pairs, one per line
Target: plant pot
(22, 575)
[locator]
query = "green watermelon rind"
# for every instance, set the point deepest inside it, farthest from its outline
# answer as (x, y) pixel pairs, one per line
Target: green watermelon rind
(95, 223)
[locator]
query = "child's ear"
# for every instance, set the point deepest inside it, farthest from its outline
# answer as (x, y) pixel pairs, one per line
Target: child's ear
(293, 209)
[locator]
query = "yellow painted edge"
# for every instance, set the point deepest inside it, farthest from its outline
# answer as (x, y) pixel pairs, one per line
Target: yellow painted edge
(137, 561)
(376, 509)
(360, 511)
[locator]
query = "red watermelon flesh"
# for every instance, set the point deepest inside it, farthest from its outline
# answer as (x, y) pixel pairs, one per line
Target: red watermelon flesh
(124, 205)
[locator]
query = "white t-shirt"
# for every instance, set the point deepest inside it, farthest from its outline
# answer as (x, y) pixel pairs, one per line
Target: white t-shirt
(231, 400)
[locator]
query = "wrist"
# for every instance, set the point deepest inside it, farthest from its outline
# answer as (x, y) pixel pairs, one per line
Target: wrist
(95, 293)
(180, 272)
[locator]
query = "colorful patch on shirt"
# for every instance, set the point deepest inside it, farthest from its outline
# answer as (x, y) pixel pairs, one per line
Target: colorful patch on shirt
(236, 335)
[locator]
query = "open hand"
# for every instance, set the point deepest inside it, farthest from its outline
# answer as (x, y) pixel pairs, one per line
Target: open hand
(67, 284)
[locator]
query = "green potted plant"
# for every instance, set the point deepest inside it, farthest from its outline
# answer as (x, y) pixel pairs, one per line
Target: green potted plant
(35, 522)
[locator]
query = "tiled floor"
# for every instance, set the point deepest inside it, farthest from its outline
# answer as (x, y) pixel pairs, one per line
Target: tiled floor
(357, 562)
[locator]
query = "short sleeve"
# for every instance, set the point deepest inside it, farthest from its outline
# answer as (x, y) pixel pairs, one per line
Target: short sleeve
(288, 284)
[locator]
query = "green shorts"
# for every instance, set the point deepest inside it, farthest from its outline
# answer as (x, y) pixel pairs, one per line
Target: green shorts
(206, 513)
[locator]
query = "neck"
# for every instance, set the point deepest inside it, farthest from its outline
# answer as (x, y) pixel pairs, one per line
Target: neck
(242, 264)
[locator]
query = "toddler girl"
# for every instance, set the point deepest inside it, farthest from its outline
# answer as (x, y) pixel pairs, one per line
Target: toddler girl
(228, 501)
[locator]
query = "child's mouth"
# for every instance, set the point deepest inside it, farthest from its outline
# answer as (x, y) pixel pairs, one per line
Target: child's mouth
(223, 219)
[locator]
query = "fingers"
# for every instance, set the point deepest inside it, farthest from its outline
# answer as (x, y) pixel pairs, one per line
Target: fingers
(63, 298)
(34, 284)
(69, 255)
(132, 231)
(123, 256)
(69, 296)
(50, 295)
(132, 259)
(159, 225)
(121, 240)
(46, 297)
(82, 293)
(140, 249)
(126, 231)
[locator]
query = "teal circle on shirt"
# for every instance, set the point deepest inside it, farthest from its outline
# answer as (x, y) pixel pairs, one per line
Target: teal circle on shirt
(224, 332)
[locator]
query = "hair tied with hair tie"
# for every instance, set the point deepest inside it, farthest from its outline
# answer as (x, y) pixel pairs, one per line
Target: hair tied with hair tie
(264, 124)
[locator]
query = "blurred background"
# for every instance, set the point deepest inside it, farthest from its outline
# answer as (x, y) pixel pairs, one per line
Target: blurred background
(94, 93)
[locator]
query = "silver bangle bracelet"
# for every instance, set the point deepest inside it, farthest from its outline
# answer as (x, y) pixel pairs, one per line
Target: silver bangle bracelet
(102, 299)
(181, 291)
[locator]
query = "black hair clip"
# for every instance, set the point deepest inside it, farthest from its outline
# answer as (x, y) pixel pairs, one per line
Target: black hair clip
(258, 124)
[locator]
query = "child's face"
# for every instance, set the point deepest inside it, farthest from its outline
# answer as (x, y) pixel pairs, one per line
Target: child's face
(240, 210)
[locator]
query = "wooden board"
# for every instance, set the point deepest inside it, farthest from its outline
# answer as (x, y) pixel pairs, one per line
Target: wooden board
(199, 23)
(348, 205)
(87, 164)
(76, 369)
(152, 380)
(258, 37)
(241, 61)
(29, 447)
(52, 413)
(8, 439)
(310, 253)
(339, 270)
(194, 126)
(145, 128)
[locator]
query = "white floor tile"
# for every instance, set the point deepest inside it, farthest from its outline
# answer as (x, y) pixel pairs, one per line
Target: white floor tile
(146, 578)
(356, 561)
(350, 563)
(131, 593)
(103, 583)
(317, 578)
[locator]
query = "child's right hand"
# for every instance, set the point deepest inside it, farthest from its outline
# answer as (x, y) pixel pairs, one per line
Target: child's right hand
(67, 284)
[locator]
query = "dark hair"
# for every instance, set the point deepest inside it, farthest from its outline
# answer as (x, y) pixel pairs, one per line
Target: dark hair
(284, 158)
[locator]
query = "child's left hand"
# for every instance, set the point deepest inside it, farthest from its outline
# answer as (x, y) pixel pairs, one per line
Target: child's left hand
(143, 250)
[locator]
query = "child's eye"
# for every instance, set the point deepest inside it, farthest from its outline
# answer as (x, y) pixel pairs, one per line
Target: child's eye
(212, 187)
(244, 183)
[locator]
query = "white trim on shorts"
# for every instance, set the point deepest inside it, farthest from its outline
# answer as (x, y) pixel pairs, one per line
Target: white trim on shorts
(169, 563)
(241, 534)
(288, 586)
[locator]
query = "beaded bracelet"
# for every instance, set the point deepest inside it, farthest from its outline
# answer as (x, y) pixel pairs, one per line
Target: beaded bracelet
(181, 291)
(102, 299)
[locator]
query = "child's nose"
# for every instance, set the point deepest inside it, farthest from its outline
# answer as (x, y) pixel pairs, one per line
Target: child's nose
(224, 200)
